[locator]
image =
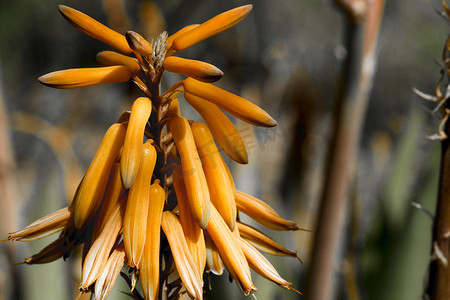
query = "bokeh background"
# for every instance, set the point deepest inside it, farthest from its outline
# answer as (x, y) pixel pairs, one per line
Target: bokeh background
(287, 57)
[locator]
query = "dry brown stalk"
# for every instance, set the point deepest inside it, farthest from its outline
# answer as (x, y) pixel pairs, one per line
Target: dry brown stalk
(439, 271)
(351, 103)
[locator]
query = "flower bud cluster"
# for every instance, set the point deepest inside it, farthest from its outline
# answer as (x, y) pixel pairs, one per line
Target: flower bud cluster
(158, 197)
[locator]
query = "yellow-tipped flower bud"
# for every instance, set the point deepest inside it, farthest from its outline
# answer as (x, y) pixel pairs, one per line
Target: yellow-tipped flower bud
(95, 29)
(212, 27)
(91, 190)
(111, 58)
(223, 130)
(219, 185)
(193, 233)
(136, 214)
(149, 272)
(43, 227)
(77, 78)
(230, 252)
(132, 146)
(235, 105)
(139, 44)
(261, 212)
(193, 68)
(183, 259)
(194, 177)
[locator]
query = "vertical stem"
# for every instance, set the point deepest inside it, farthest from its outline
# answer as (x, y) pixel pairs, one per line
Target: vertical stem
(351, 103)
(439, 270)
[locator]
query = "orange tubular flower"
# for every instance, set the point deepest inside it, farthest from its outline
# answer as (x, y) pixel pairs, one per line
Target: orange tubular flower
(219, 184)
(76, 78)
(90, 192)
(149, 271)
(262, 212)
(230, 252)
(260, 264)
(223, 130)
(94, 29)
(235, 105)
(181, 255)
(194, 178)
(193, 68)
(211, 27)
(193, 233)
(43, 227)
(132, 146)
(136, 213)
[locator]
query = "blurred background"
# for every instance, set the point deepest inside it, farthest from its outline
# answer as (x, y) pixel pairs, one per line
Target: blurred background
(286, 56)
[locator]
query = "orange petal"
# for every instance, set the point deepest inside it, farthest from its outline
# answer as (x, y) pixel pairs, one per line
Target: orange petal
(219, 185)
(223, 130)
(192, 232)
(76, 78)
(91, 190)
(235, 105)
(139, 44)
(230, 252)
(194, 177)
(132, 146)
(111, 58)
(95, 29)
(183, 259)
(43, 227)
(261, 212)
(136, 214)
(193, 68)
(212, 27)
(149, 272)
